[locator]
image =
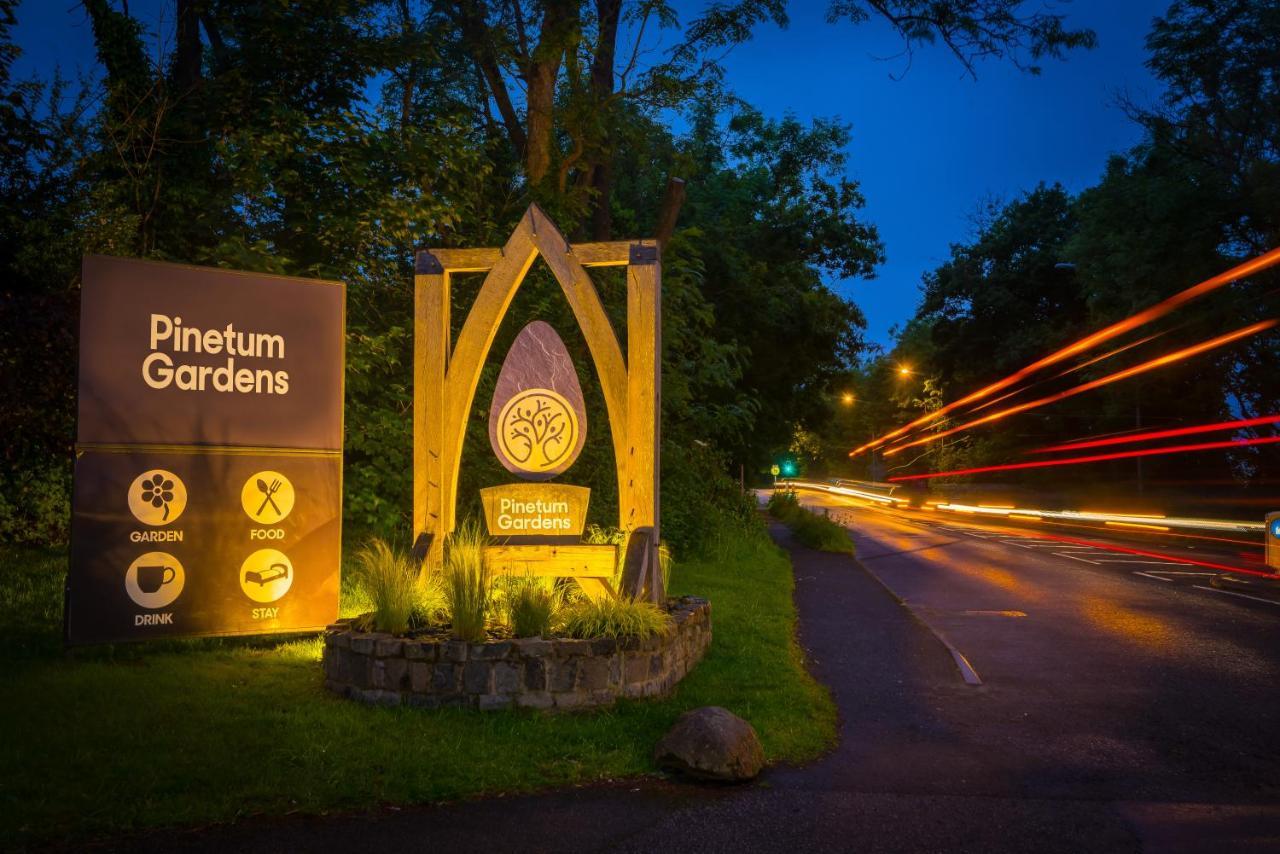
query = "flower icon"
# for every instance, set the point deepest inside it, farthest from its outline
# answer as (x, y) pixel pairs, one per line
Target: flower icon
(158, 492)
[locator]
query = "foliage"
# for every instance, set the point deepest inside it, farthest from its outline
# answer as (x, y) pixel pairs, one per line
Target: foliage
(531, 604)
(244, 141)
(399, 599)
(610, 617)
(809, 528)
(467, 581)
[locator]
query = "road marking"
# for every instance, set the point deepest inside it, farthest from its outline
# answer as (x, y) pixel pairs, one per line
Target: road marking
(995, 613)
(1156, 577)
(1176, 572)
(1233, 593)
(1151, 562)
(1073, 557)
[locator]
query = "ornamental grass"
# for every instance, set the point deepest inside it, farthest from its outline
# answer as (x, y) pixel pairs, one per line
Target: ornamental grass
(613, 618)
(467, 581)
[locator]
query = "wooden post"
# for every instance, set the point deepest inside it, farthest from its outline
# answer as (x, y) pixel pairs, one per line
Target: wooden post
(430, 362)
(644, 402)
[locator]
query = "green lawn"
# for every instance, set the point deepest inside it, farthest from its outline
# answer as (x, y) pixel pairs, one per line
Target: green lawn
(122, 738)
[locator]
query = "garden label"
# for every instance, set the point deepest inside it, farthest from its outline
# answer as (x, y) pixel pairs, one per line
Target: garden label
(208, 470)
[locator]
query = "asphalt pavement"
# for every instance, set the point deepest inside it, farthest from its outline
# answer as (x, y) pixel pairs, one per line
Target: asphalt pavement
(1104, 711)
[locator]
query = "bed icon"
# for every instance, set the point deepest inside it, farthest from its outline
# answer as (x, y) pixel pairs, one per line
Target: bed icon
(275, 572)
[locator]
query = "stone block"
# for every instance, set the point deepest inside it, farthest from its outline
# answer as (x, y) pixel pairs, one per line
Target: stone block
(477, 677)
(635, 668)
(563, 676)
(375, 697)
(571, 700)
(489, 702)
(494, 651)
(535, 700)
(396, 676)
(454, 650)
(657, 663)
(423, 701)
(566, 648)
(419, 677)
(389, 647)
(532, 647)
(535, 674)
(377, 673)
(339, 640)
(506, 677)
(603, 698)
(362, 644)
(604, 646)
(444, 678)
(593, 674)
(415, 650)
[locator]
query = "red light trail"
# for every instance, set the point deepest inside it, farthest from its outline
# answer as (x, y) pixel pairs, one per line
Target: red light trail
(1144, 553)
(1160, 309)
(1160, 361)
(1095, 458)
(1161, 434)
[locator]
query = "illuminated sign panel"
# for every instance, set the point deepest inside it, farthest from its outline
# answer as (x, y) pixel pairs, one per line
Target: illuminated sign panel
(208, 474)
(1273, 541)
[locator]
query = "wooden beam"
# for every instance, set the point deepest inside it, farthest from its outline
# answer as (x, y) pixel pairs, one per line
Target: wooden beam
(569, 561)
(613, 253)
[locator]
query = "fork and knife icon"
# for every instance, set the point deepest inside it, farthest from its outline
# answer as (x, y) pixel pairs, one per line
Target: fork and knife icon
(269, 492)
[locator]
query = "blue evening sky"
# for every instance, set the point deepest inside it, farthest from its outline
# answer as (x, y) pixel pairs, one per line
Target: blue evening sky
(927, 147)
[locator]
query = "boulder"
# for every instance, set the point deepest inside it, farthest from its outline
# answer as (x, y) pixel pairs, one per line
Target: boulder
(711, 743)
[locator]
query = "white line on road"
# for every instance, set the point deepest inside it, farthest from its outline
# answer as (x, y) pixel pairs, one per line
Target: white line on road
(1233, 593)
(1073, 557)
(1152, 562)
(1156, 577)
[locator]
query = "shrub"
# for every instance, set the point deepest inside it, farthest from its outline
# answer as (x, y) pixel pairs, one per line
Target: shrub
(810, 529)
(783, 504)
(531, 605)
(389, 579)
(613, 618)
(467, 582)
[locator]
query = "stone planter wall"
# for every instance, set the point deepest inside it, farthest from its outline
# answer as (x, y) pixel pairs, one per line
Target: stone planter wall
(538, 673)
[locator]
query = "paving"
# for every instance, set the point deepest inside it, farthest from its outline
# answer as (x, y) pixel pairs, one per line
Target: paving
(1113, 714)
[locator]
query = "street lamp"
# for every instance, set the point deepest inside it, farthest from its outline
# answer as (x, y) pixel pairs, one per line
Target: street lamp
(847, 398)
(904, 371)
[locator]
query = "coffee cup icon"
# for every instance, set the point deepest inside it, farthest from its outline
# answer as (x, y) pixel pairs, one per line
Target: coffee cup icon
(155, 579)
(152, 577)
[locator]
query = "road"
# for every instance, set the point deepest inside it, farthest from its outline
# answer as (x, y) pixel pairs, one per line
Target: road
(1104, 674)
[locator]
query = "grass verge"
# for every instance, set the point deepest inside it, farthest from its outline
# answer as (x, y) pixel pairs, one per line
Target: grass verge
(119, 739)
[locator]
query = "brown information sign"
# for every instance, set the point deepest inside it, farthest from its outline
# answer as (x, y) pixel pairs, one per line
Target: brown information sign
(208, 475)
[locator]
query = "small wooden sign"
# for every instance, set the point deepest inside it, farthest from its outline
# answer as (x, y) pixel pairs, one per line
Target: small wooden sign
(541, 510)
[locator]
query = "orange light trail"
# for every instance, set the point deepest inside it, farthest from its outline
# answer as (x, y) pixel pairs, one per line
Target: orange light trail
(1095, 458)
(1161, 434)
(1160, 309)
(1158, 362)
(1107, 355)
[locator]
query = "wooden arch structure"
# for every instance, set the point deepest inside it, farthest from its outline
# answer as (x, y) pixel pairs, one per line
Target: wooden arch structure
(446, 374)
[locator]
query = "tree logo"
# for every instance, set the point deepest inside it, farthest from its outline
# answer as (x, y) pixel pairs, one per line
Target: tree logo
(537, 430)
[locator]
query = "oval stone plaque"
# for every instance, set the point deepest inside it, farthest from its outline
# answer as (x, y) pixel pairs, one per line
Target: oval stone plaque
(537, 421)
